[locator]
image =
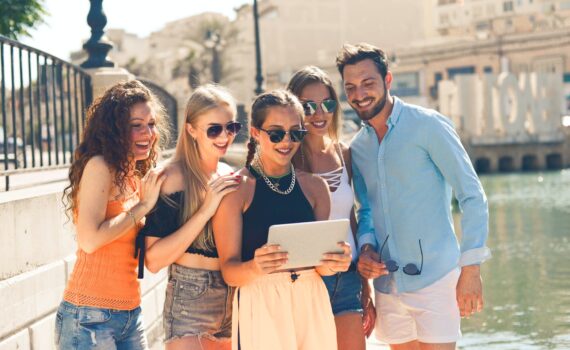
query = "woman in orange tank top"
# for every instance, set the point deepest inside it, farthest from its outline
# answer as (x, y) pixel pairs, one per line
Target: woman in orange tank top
(112, 187)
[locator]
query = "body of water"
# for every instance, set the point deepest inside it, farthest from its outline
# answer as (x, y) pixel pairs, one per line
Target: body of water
(527, 282)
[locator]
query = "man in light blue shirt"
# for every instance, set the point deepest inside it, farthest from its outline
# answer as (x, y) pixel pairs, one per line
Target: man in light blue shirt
(406, 160)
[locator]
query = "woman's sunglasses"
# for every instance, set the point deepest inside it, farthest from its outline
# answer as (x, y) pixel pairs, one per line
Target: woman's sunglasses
(277, 136)
(327, 106)
(215, 130)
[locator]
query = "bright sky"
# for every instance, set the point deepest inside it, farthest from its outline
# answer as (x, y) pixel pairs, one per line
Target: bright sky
(66, 26)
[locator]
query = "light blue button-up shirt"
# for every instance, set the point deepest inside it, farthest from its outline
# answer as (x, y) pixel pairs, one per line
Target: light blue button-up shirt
(403, 189)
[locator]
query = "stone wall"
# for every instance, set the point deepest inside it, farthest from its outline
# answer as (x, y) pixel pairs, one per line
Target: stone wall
(37, 252)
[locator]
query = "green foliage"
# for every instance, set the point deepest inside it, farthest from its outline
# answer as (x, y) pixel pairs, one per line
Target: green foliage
(19, 16)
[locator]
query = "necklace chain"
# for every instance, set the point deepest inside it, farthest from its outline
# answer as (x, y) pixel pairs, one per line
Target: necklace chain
(271, 185)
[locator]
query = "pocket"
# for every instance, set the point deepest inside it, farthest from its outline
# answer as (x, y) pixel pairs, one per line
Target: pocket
(190, 289)
(58, 326)
(89, 316)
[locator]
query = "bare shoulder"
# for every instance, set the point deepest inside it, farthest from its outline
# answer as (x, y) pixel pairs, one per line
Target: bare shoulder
(97, 165)
(174, 181)
(97, 177)
(242, 197)
(310, 182)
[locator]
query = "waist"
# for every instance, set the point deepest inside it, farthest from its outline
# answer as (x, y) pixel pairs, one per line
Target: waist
(294, 270)
(199, 262)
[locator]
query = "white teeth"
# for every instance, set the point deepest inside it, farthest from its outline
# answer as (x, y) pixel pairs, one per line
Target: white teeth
(319, 124)
(142, 144)
(284, 151)
(364, 103)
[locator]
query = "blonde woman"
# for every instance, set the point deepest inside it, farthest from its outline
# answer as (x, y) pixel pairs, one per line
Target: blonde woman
(322, 153)
(178, 234)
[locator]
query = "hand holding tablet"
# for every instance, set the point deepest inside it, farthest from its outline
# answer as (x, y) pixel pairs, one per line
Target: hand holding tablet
(310, 244)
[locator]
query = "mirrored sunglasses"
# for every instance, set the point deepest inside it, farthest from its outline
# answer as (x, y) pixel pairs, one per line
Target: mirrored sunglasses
(327, 106)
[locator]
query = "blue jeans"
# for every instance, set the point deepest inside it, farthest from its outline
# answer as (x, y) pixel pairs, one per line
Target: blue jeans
(84, 327)
(345, 292)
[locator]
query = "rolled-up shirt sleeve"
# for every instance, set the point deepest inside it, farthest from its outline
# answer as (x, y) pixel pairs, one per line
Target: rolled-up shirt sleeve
(448, 154)
(365, 225)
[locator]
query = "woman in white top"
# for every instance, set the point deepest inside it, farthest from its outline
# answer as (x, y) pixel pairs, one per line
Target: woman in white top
(323, 154)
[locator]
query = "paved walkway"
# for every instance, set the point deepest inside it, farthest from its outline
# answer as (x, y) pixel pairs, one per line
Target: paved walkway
(371, 344)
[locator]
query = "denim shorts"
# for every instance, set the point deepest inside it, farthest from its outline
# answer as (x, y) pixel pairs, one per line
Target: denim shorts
(85, 327)
(198, 303)
(345, 292)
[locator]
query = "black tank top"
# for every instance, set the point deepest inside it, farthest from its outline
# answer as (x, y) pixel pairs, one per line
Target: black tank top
(271, 208)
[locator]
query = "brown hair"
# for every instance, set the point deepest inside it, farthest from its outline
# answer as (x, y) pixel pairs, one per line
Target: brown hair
(352, 54)
(312, 75)
(260, 109)
(107, 134)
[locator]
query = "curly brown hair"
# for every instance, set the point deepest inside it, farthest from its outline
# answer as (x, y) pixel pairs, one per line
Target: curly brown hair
(107, 134)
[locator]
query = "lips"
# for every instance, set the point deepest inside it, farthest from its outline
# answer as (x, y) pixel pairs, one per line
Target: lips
(142, 145)
(364, 103)
(321, 124)
(221, 146)
(284, 151)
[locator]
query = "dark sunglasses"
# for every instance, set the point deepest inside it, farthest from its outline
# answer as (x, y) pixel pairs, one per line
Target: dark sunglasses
(215, 130)
(410, 269)
(310, 107)
(276, 136)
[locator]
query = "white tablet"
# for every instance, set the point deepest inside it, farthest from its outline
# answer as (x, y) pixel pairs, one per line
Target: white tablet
(306, 242)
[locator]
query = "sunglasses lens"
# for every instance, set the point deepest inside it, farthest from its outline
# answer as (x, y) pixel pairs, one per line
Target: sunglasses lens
(392, 266)
(411, 269)
(298, 135)
(214, 131)
(310, 108)
(276, 136)
(233, 128)
(329, 106)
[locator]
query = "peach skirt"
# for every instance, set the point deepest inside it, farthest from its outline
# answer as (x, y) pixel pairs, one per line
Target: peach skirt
(275, 312)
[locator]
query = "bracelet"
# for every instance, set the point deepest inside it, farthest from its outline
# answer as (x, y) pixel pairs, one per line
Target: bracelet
(130, 213)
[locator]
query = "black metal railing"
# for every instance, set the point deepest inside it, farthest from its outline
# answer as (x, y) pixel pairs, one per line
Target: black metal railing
(43, 101)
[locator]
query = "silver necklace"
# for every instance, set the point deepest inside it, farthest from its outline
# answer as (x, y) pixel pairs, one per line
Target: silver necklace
(271, 185)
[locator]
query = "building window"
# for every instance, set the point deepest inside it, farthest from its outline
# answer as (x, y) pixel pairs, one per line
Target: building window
(406, 84)
(508, 6)
(452, 72)
(488, 70)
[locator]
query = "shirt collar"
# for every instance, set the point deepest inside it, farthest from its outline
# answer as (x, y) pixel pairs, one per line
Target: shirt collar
(394, 116)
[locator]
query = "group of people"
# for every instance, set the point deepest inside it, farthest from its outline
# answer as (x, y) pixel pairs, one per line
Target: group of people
(208, 223)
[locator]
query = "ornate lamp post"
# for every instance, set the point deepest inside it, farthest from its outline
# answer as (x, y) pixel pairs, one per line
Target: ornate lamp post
(258, 75)
(215, 42)
(97, 46)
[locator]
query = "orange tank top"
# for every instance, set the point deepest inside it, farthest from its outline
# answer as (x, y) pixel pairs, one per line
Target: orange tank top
(107, 278)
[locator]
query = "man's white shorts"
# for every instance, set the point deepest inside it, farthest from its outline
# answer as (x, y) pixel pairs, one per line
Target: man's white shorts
(429, 315)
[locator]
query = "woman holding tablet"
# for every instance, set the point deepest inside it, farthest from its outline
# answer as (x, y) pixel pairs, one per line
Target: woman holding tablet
(322, 154)
(276, 308)
(197, 307)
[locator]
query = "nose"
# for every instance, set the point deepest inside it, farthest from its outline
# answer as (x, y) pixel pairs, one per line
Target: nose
(359, 93)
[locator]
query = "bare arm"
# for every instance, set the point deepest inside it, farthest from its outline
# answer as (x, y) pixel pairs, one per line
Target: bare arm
(162, 252)
(95, 190)
(227, 225)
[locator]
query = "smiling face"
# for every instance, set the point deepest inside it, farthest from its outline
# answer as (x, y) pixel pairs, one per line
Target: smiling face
(142, 130)
(278, 118)
(212, 147)
(320, 122)
(365, 89)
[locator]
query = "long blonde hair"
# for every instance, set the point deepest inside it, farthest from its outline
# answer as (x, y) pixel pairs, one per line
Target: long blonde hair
(187, 155)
